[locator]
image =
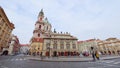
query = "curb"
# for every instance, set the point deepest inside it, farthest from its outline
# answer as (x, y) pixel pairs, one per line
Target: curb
(61, 61)
(58, 60)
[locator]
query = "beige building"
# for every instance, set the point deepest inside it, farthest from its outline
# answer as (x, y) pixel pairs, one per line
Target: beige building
(109, 46)
(46, 42)
(14, 45)
(24, 49)
(84, 46)
(6, 28)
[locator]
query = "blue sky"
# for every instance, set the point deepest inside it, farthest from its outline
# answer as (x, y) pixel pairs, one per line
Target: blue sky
(84, 19)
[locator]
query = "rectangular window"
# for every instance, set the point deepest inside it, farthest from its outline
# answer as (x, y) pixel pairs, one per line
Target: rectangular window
(68, 46)
(39, 26)
(74, 46)
(47, 46)
(61, 46)
(2, 22)
(55, 46)
(0, 18)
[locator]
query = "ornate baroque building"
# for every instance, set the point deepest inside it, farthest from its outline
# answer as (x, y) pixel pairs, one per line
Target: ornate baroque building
(6, 28)
(46, 42)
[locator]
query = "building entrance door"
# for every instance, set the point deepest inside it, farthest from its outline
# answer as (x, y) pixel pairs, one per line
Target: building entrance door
(5, 52)
(54, 53)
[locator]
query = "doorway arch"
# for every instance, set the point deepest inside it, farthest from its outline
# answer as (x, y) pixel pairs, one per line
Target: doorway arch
(5, 52)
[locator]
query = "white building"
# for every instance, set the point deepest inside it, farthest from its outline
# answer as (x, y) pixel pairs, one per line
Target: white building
(14, 45)
(24, 48)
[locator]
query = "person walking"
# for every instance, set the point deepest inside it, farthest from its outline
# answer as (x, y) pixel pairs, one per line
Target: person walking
(93, 53)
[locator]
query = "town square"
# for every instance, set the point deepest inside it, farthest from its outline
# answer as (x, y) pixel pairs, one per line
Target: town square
(59, 34)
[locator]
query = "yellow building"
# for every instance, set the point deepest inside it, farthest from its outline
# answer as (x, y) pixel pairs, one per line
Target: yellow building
(36, 46)
(46, 42)
(6, 28)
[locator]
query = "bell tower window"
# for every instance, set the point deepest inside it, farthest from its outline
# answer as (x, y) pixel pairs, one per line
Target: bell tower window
(47, 27)
(40, 26)
(38, 35)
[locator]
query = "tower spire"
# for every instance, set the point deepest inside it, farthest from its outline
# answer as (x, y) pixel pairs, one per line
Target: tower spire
(41, 15)
(46, 19)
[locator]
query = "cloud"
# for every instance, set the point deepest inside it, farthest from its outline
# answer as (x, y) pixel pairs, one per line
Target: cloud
(82, 18)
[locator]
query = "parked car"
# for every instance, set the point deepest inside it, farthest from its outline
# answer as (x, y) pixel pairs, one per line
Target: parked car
(85, 53)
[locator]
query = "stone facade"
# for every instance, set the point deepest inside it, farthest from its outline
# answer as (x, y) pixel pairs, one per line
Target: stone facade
(109, 46)
(46, 42)
(6, 28)
(24, 48)
(14, 45)
(84, 46)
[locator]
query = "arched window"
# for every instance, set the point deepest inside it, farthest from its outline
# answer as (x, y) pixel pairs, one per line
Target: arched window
(55, 45)
(61, 44)
(47, 27)
(74, 46)
(39, 26)
(38, 35)
(68, 45)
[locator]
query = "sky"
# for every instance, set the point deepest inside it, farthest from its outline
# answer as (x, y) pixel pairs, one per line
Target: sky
(84, 19)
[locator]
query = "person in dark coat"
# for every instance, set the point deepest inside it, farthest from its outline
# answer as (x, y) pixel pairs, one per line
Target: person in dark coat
(93, 53)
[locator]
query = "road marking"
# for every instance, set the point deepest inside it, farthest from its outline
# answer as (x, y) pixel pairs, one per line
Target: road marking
(25, 59)
(106, 63)
(12, 59)
(91, 67)
(116, 63)
(109, 62)
(17, 59)
(21, 59)
(98, 67)
(3, 67)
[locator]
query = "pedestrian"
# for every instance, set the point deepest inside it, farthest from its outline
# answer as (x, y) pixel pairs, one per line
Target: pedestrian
(93, 53)
(97, 55)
